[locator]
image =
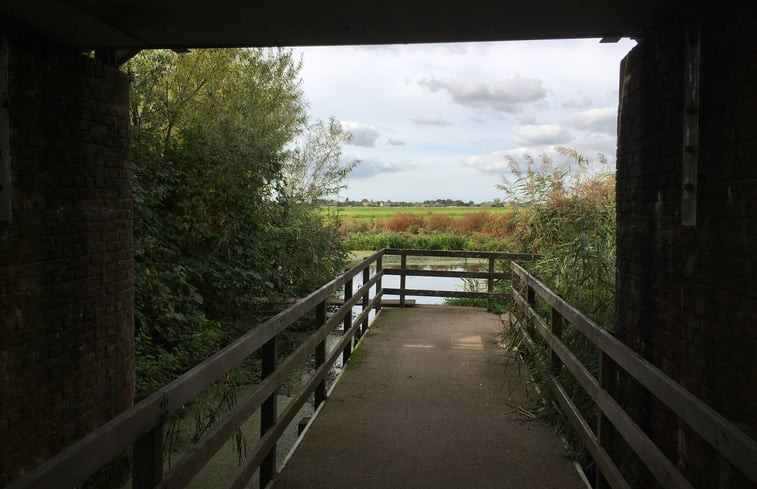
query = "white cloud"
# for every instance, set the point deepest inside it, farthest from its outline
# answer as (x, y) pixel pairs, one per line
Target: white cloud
(534, 134)
(370, 167)
(361, 135)
(464, 100)
(494, 162)
(577, 103)
(395, 142)
(500, 162)
(503, 96)
(431, 121)
(590, 146)
(604, 120)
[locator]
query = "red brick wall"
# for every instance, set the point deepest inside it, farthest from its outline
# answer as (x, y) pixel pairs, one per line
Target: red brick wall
(66, 259)
(687, 296)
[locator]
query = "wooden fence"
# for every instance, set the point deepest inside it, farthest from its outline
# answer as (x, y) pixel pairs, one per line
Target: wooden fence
(734, 446)
(140, 428)
(490, 275)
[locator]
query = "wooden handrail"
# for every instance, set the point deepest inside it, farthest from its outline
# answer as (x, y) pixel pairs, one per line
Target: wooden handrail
(732, 443)
(490, 275)
(141, 425)
(499, 255)
(73, 465)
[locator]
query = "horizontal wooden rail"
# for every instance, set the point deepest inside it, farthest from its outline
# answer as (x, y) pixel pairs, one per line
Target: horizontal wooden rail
(195, 459)
(140, 426)
(245, 471)
(601, 457)
(497, 255)
(647, 451)
(490, 275)
(734, 445)
(445, 293)
(445, 273)
(73, 465)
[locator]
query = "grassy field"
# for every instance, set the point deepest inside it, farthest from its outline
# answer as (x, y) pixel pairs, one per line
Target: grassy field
(375, 213)
(442, 228)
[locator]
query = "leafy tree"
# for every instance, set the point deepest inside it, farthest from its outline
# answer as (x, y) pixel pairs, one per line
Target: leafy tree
(314, 170)
(218, 225)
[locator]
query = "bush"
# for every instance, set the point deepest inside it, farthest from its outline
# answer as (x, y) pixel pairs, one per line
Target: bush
(405, 222)
(352, 225)
(440, 222)
(500, 226)
(487, 242)
(474, 222)
(447, 241)
(220, 219)
(568, 217)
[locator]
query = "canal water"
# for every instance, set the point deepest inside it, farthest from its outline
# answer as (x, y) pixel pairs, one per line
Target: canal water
(427, 283)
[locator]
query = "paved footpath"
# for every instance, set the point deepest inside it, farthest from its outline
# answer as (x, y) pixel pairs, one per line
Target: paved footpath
(429, 401)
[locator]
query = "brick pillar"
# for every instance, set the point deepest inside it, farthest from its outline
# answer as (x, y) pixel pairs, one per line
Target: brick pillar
(66, 257)
(687, 295)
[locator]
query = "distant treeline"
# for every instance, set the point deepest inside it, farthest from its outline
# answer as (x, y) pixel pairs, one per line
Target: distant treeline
(403, 203)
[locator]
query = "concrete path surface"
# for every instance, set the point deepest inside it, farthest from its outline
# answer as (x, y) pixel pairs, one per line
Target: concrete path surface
(429, 401)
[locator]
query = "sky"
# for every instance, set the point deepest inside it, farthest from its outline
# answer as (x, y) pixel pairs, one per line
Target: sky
(437, 121)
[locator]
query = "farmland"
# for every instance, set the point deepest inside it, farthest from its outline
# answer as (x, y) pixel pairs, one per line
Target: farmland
(368, 214)
(474, 227)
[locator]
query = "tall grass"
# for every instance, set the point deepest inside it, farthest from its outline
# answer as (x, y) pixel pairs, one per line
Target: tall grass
(434, 241)
(385, 213)
(426, 241)
(566, 213)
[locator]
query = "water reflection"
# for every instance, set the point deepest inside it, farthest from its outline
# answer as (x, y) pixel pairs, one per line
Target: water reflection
(424, 283)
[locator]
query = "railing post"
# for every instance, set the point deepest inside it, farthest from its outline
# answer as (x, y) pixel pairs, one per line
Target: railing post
(490, 286)
(147, 456)
(268, 410)
(513, 277)
(602, 437)
(403, 265)
(379, 270)
(347, 321)
(531, 299)
(366, 299)
(320, 354)
(557, 321)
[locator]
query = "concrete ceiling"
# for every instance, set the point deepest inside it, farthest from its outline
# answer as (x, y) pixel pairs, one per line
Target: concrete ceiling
(140, 24)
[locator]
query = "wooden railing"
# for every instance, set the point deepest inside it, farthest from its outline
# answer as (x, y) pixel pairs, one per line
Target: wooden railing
(490, 275)
(734, 446)
(140, 428)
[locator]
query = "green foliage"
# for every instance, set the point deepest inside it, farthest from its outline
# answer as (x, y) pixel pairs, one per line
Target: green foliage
(369, 214)
(566, 213)
(220, 220)
(314, 170)
(469, 285)
(425, 241)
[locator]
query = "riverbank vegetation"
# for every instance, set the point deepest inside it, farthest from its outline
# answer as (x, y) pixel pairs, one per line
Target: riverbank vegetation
(443, 228)
(227, 171)
(566, 213)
